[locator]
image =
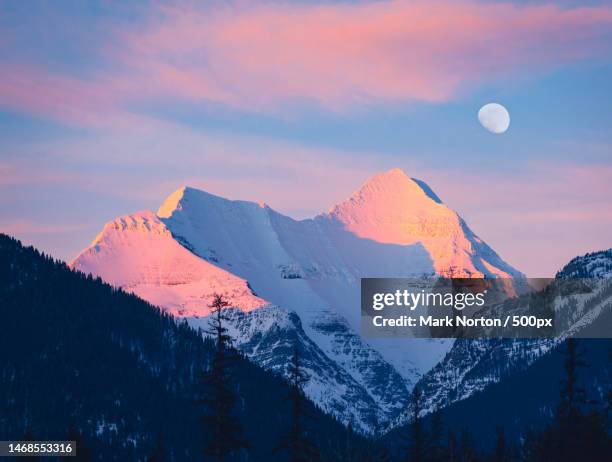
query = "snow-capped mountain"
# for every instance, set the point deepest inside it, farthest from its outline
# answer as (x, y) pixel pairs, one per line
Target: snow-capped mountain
(269, 335)
(137, 252)
(472, 365)
(394, 209)
(393, 226)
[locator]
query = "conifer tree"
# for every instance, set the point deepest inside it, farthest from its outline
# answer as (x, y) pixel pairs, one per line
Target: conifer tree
(575, 434)
(417, 450)
(572, 395)
(50, 334)
(467, 450)
(501, 451)
(527, 452)
(296, 442)
(379, 452)
(608, 406)
(222, 426)
(437, 451)
(451, 448)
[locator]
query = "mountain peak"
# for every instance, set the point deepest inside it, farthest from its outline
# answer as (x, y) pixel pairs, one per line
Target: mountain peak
(395, 184)
(388, 200)
(389, 208)
(393, 208)
(171, 203)
(394, 172)
(179, 198)
(395, 175)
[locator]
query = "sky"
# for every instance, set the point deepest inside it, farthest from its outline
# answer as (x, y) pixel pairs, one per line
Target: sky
(108, 107)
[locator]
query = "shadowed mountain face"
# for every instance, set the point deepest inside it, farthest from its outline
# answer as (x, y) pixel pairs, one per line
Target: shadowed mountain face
(525, 400)
(393, 226)
(472, 366)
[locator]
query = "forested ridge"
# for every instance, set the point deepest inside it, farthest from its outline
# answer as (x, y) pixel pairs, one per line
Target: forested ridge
(81, 360)
(76, 353)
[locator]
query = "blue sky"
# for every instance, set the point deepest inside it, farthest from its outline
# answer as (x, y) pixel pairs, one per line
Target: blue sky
(106, 109)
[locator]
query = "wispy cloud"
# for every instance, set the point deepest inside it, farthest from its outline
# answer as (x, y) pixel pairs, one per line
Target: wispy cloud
(147, 169)
(268, 57)
(345, 55)
(30, 227)
(278, 58)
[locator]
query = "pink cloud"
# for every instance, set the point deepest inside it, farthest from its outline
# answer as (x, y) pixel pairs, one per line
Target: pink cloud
(33, 90)
(343, 55)
(340, 56)
(96, 101)
(29, 227)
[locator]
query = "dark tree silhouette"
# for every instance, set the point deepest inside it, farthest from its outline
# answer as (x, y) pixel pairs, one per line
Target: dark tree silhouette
(157, 454)
(500, 453)
(378, 451)
(348, 450)
(576, 433)
(76, 352)
(451, 448)
(216, 326)
(608, 405)
(467, 449)
(572, 395)
(417, 447)
(437, 451)
(83, 454)
(296, 443)
(222, 427)
(383, 455)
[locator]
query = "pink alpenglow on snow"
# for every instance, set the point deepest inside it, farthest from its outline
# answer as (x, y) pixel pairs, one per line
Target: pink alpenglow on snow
(198, 244)
(393, 208)
(138, 253)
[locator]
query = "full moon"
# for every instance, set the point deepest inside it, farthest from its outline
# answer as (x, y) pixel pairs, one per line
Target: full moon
(494, 117)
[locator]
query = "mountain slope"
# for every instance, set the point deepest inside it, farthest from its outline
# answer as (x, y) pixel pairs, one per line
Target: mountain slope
(472, 366)
(147, 261)
(74, 352)
(137, 253)
(268, 337)
(591, 265)
(524, 401)
(395, 209)
(393, 226)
